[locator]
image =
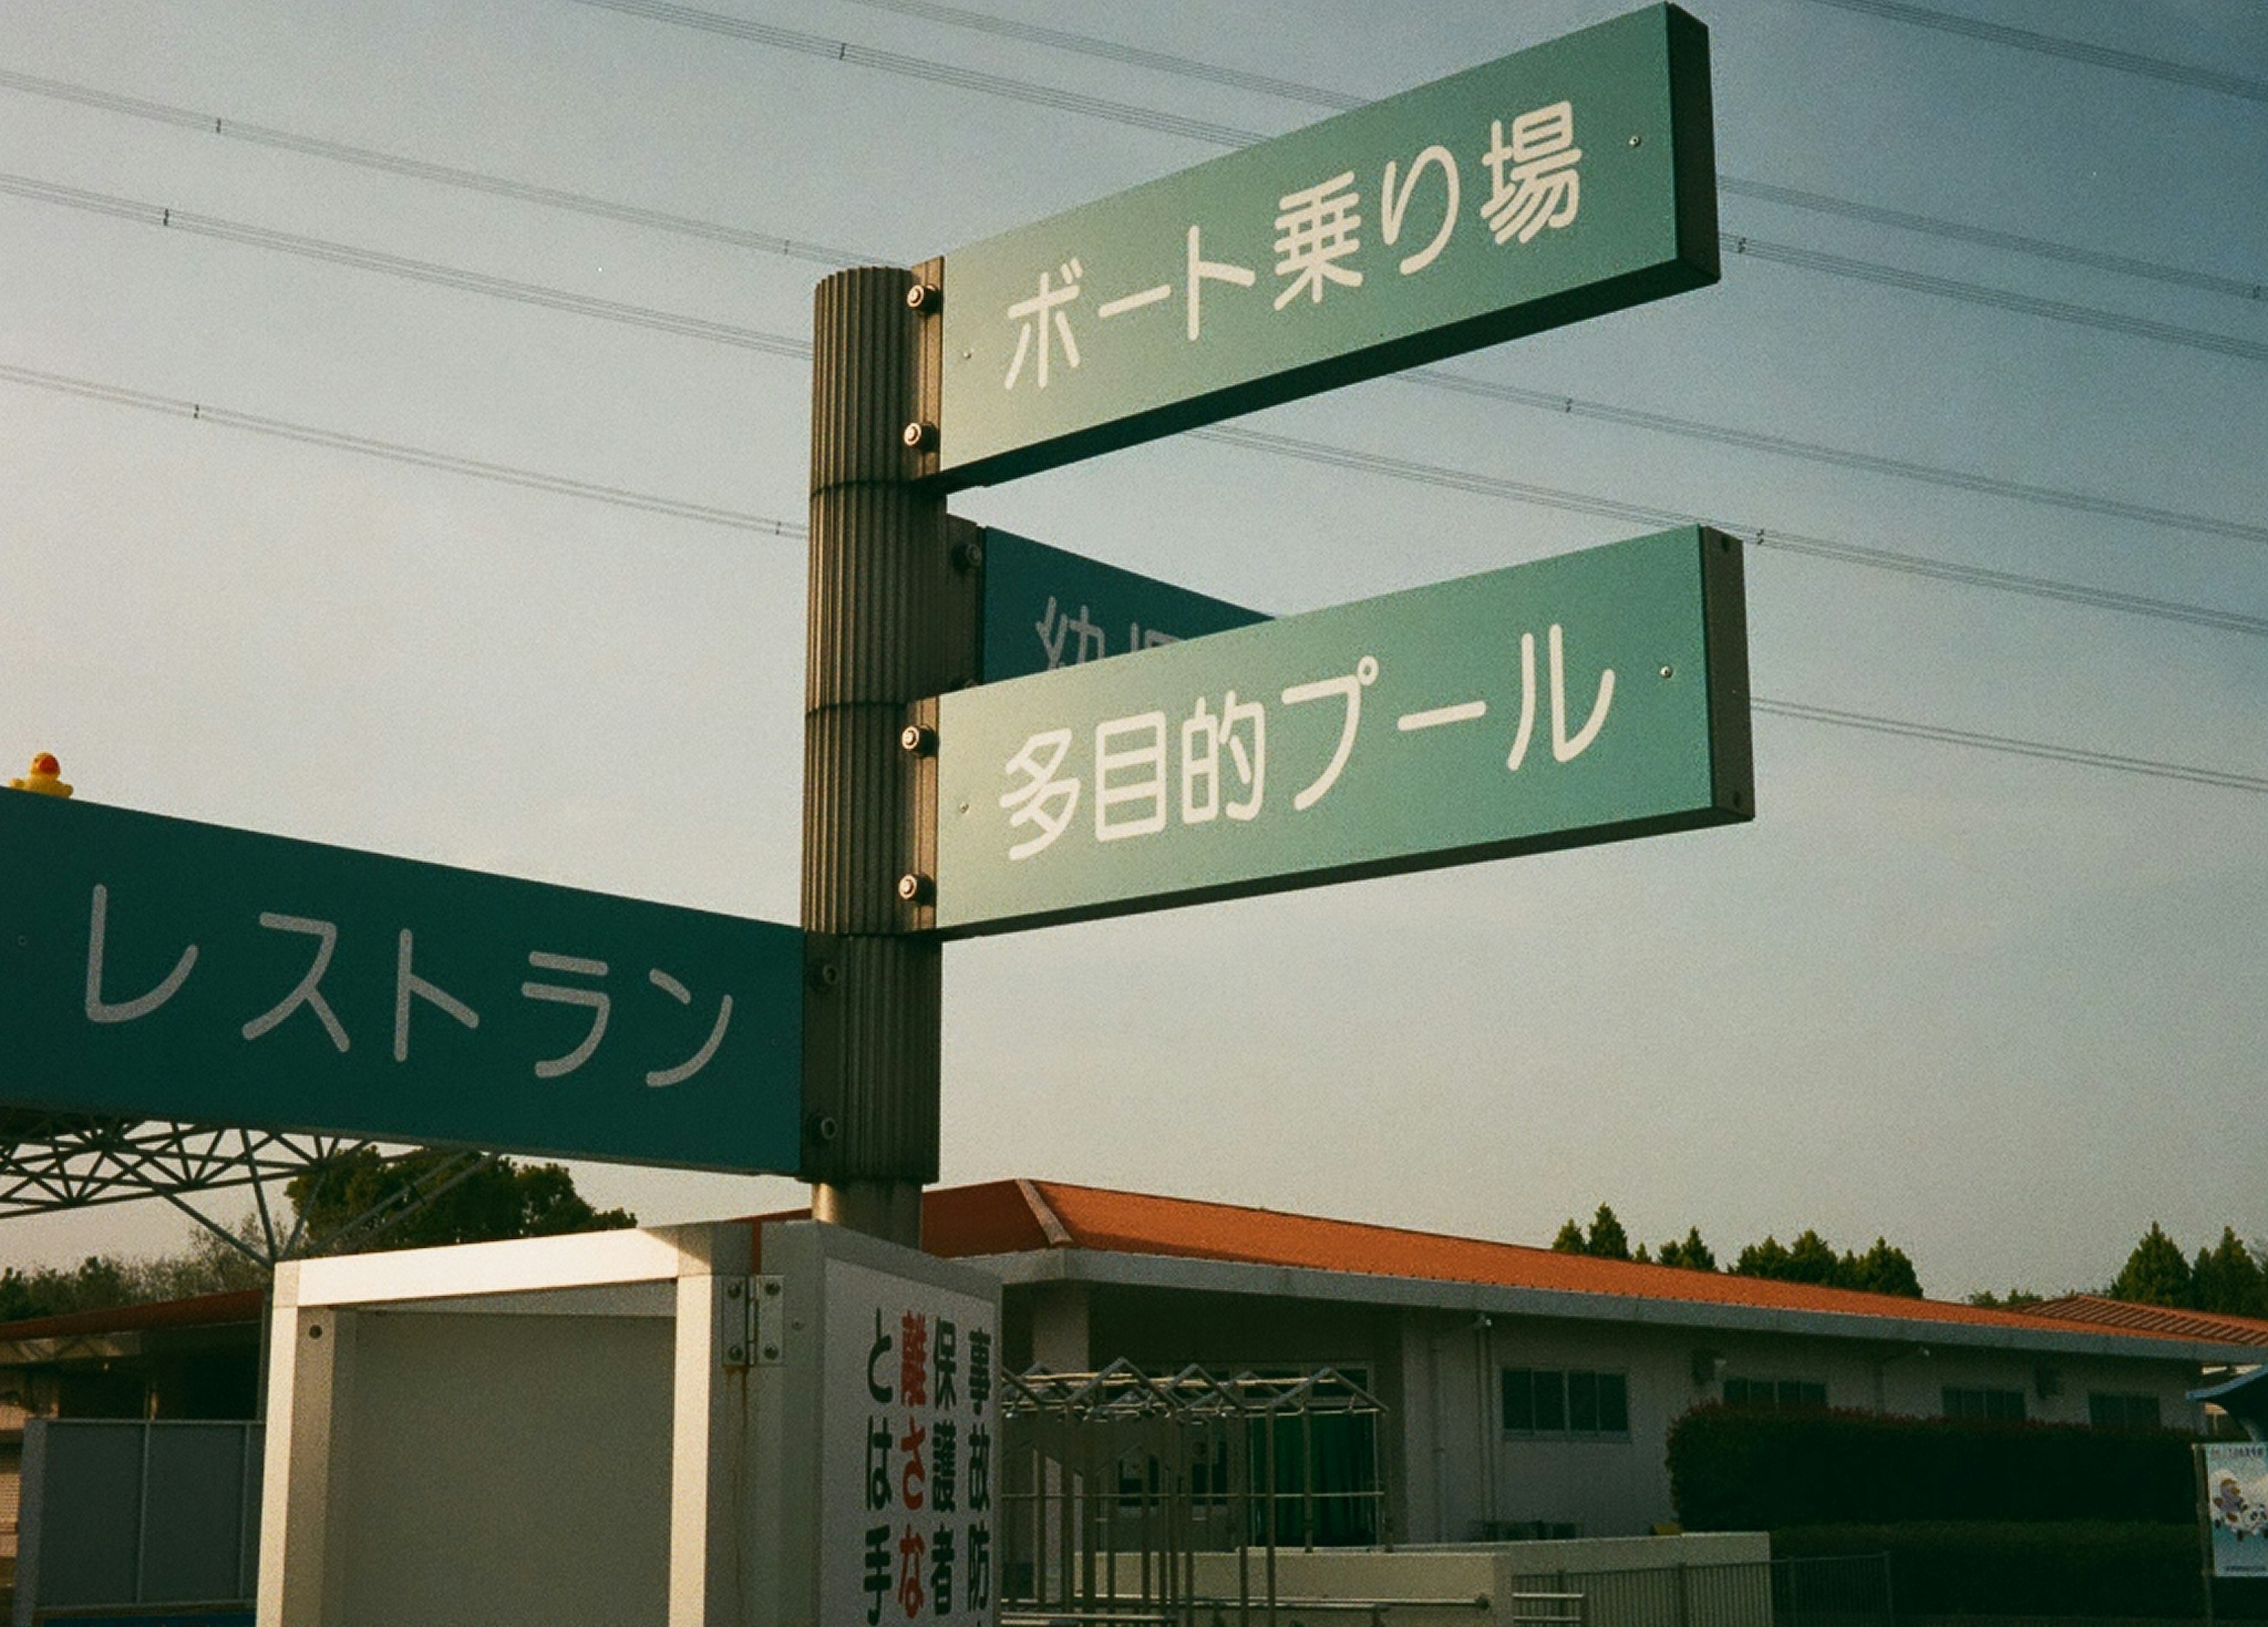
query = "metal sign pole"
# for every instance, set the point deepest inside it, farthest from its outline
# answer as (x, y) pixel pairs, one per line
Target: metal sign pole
(882, 636)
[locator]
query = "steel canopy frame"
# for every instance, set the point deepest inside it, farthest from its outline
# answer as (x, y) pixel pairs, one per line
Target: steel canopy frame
(51, 1162)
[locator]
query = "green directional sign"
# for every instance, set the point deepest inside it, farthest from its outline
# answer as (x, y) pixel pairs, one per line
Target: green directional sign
(1588, 697)
(1046, 608)
(1564, 182)
(157, 968)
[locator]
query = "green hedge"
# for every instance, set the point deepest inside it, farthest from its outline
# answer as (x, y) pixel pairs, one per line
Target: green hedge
(1734, 1470)
(2033, 1568)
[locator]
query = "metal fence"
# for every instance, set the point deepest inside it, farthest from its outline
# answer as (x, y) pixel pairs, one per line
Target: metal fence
(1115, 1481)
(120, 1512)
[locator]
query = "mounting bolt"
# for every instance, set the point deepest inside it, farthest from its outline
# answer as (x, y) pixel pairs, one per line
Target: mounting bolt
(823, 1127)
(734, 1353)
(1636, 140)
(771, 1352)
(968, 556)
(918, 739)
(919, 437)
(825, 975)
(926, 297)
(771, 1290)
(916, 889)
(731, 1291)
(1668, 672)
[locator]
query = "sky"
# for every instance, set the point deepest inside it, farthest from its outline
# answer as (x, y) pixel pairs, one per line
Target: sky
(2004, 1009)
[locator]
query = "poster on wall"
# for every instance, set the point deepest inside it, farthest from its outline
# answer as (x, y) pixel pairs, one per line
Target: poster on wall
(2236, 1507)
(909, 1459)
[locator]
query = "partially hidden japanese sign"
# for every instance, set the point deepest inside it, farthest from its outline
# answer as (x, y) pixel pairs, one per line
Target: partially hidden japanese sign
(155, 967)
(1560, 183)
(909, 1510)
(1046, 608)
(1588, 698)
(2236, 1507)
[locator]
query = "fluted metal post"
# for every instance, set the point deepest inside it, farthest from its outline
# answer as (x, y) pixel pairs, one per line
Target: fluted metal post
(881, 581)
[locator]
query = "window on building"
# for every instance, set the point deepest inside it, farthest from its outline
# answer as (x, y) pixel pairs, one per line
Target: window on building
(1777, 1395)
(1558, 1400)
(1998, 1405)
(2108, 1411)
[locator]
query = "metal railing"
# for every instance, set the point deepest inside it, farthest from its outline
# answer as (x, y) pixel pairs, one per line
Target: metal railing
(1115, 1481)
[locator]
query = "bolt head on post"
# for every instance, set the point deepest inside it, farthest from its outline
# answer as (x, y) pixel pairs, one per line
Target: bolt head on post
(918, 739)
(924, 297)
(916, 889)
(919, 437)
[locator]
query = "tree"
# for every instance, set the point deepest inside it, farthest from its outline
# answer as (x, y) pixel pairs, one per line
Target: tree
(2014, 1299)
(1884, 1270)
(1608, 1240)
(2227, 1279)
(1881, 1269)
(497, 1200)
(1569, 1240)
(1693, 1254)
(2154, 1273)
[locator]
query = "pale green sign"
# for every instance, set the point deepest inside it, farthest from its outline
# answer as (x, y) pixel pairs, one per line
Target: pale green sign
(1588, 697)
(1046, 608)
(157, 968)
(1564, 182)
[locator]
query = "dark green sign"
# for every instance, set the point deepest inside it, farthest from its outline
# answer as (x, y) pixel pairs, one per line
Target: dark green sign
(1589, 698)
(156, 968)
(1566, 182)
(1045, 608)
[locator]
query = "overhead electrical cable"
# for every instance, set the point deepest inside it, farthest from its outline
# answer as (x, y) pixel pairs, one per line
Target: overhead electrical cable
(786, 345)
(1960, 231)
(1811, 451)
(1188, 67)
(819, 253)
(423, 457)
(2056, 45)
(1763, 537)
(399, 265)
(1976, 294)
(444, 174)
(1229, 136)
(1432, 378)
(2223, 778)
(922, 68)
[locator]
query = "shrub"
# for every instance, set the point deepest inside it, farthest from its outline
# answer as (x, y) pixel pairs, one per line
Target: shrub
(1734, 1470)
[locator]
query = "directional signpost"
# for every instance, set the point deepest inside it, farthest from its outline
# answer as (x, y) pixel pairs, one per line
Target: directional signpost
(1046, 608)
(1566, 182)
(1588, 698)
(158, 968)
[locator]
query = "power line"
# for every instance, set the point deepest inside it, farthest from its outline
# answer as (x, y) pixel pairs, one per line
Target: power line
(443, 175)
(1811, 451)
(922, 68)
(422, 457)
(1189, 68)
(1229, 136)
(398, 265)
(1111, 50)
(426, 458)
(782, 345)
(819, 253)
(2220, 777)
(1960, 231)
(1978, 294)
(2055, 45)
(1788, 542)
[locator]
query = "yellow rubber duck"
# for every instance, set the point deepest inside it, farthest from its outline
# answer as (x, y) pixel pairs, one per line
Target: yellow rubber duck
(46, 777)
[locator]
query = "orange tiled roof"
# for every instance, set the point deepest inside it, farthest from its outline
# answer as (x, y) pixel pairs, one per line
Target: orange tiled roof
(2157, 1319)
(1017, 1217)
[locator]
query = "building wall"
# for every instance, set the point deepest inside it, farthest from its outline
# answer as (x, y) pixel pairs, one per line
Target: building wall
(1456, 1473)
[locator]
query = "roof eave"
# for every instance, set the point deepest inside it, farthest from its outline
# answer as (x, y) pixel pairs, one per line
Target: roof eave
(1113, 1267)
